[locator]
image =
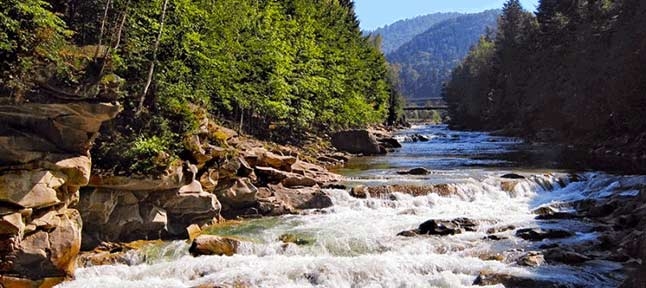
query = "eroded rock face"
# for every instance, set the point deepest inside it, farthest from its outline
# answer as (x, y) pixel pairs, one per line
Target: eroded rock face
(44, 160)
(240, 195)
(129, 215)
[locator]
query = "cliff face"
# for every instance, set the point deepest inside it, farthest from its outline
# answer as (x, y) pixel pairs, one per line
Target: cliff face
(44, 160)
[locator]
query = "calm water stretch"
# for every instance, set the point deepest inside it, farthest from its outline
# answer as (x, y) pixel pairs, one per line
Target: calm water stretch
(354, 243)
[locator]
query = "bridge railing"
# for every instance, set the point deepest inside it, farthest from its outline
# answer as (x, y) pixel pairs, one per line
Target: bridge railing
(433, 103)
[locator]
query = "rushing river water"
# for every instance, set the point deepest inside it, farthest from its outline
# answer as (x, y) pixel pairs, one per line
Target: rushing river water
(354, 243)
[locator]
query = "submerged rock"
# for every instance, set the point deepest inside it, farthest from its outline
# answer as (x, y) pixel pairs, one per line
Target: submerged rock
(414, 190)
(418, 138)
(565, 256)
(415, 171)
(292, 238)
(495, 237)
(531, 259)
(537, 234)
(442, 227)
(115, 253)
(498, 229)
(409, 233)
(511, 281)
(549, 213)
(512, 176)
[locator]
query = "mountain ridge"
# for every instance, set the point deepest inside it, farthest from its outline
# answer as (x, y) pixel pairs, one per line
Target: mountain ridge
(400, 32)
(425, 62)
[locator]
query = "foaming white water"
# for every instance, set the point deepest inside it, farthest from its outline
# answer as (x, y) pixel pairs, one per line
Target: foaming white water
(355, 242)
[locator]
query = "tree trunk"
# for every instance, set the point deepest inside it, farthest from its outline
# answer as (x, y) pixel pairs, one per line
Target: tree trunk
(241, 120)
(123, 23)
(105, 17)
(151, 70)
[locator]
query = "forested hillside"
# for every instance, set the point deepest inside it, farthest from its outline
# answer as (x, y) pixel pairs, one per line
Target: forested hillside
(279, 70)
(425, 62)
(573, 72)
(397, 34)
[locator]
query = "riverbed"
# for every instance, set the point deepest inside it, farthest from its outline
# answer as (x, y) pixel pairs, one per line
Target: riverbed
(354, 243)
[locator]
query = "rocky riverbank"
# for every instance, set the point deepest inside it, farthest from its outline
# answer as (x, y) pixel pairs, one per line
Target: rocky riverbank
(226, 176)
(52, 204)
(44, 160)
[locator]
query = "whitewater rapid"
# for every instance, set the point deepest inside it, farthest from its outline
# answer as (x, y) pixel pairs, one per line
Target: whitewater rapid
(355, 242)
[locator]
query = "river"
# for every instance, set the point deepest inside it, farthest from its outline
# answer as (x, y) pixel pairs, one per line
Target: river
(355, 244)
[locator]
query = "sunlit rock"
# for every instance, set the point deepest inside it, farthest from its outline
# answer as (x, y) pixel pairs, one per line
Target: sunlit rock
(214, 245)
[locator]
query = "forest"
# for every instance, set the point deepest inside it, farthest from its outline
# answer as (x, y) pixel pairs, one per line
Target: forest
(399, 33)
(279, 70)
(572, 72)
(426, 61)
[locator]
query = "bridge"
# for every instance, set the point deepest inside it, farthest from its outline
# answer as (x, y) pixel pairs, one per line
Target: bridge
(421, 104)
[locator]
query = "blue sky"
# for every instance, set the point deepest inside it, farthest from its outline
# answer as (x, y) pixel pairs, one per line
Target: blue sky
(377, 13)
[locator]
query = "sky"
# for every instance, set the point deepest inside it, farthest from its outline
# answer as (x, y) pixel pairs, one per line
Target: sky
(377, 13)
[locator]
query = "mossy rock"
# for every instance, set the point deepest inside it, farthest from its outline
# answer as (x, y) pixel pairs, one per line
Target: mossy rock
(292, 238)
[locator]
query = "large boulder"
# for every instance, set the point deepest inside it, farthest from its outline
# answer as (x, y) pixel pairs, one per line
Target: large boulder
(280, 162)
(301, 198)
(185, 210)
(214, 245)
(357, 142)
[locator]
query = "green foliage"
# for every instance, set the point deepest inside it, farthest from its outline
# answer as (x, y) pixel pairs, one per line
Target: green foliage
(575, 69)
(397, 34)
(145, 151)
(427, 60)
(30, 37)
(276, 69)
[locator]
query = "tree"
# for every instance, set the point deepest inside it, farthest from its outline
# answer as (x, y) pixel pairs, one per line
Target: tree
(31, 37)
